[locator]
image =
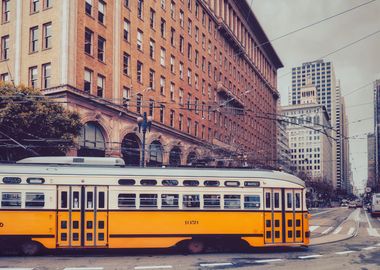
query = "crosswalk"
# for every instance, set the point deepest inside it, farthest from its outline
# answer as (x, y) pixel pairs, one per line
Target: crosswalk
(324, 230)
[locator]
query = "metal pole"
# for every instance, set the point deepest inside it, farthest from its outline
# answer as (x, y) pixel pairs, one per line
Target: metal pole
(142, 161)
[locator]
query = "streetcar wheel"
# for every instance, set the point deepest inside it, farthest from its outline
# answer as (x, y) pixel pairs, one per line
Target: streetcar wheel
(30, 248)
(195, 246)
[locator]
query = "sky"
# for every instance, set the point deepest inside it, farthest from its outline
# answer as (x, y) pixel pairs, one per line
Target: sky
(355, 66)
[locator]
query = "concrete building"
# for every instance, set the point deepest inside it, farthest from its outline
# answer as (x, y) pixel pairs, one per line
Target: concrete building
(328, 94)
(283, 151)
(343, 154)
(377, 133)
(371, 161)
(309, 133)
(192, 66)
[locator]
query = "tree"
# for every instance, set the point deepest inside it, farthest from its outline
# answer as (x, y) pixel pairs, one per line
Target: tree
(32, 124)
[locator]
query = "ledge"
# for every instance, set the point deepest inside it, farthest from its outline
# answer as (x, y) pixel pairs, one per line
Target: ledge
(232, 99)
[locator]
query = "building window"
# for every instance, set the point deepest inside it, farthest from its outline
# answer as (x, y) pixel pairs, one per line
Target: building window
(34, 6)
(152, 48)
(162, 113)
(126, 58)
(189, 27)
(140, 9)
(101, 49)
(163, 28)
(180, 121)
(196, 10)
(188, 127)
(126, 3)
(189, 4)
(139, 40)
(151, 107)
(152, 79)
(172, 10)
(171, 118)
(172, 64)
(196, 34)
(172, 87)
(46, 75)
(33, 47)
(180, 96)
(152, 18)
(4, 77)
(88, 37)
(162, 85)
(126, 96)
(181, 43)
(100, 85)
(196, 105)
(5, 11)
(172, 37)
(162, 56)
(138, 103)
(139, 71)
(46, 29)
(33, 77)
(101, 11)
(87, 80)
(126, 30)
(181, 70)
(196, 58)
(47, 4)
(88, 7)
(181, 18)
(196, 128)
(189, 75)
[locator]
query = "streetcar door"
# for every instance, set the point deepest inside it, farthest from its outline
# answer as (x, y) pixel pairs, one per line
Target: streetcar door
(268, 216)
(298, 203)
(82, 216)
(290, 216)
(273, 216)
(277, 215)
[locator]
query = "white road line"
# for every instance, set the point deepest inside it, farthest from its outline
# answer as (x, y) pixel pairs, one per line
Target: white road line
(327, 230)
(269, 260)
(369, 223)
(378, 244)
(214, 264)
(310, 256)
(16, 268)
(337, 230)
(313, 228)
(351, 231)
(369, 248)
(345, 252)
(323, 212)
(155, 267)
(83, 268)
(373, 232)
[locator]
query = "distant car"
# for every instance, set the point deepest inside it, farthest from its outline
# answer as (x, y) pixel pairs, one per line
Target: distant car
(344, 204)
(352, 205)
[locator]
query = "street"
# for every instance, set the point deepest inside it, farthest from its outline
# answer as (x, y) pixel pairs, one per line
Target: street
(341, 238)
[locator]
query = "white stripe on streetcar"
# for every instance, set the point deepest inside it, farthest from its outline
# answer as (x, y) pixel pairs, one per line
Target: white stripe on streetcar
(313, 228)
(214, 264)
(155, 267)
(268, 260)
(310, 256)
(351, 231)
(329, 229)
(369, 248)
(337, 230)
(345, 252)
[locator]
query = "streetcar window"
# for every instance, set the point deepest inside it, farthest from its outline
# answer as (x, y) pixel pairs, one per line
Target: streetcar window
(90, 199)
(11, 199)
(76, 199)
(289, 199)
(232, 201)
(169, 200)
(191, 201)
(170, 182)
(211, 183)
(127, 200)
(11, 180)
(251, 183)
(251, 201)
(148, 182)
(35, 180)
(267, 200)
(148, 200)
(298, 200)
(232, 183)
(191, 183)
(211, 201)
(276, 200)
(64, 199)
(127, 182)
(35, 199)
(101, 199)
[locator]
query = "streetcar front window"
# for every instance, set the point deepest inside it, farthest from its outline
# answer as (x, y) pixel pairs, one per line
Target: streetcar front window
(11, 199)
(35, 199)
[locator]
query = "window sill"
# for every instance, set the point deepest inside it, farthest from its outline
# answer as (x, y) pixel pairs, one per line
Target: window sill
(31, 53)
(46, 49)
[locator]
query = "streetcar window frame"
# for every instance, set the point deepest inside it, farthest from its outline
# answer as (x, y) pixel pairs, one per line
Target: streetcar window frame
(148, 200)
(194, 201)
(11, 180)
(170, 182)
(252, 183)
(232, 201)
(148, 182)
(127, 182)
(232, 183)
(170, 201)
(297, 200)
(211, 183)
(252, 201)
(190, 183)
(211, 201)
(11, 202)
(35, 180)
(130, 198)
(35, 202)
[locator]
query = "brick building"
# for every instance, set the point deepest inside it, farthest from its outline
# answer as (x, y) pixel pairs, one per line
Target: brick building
(194, 66)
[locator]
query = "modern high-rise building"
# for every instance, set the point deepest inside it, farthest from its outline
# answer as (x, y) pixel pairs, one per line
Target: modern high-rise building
(371, 161)
(343, 156)
(322, 76)
(377, 133)
(194, 67)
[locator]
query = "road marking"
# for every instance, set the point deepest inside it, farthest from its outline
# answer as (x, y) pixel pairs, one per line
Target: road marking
(154, 267)
(310, 256)
(344, 252)
(268, 260)
(378, 244)
(313, 228)
(369, 223)
(351, 231)
(323, 212)
(337, 230)
(16, 268)
(327, 230)
(214, 264)
(83, 268)
(373, 232)
(369, 248)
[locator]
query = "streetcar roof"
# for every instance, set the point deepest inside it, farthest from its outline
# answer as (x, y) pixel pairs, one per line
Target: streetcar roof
(122, 172)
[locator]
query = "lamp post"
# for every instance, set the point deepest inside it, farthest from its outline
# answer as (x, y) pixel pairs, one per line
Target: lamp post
(144, 126)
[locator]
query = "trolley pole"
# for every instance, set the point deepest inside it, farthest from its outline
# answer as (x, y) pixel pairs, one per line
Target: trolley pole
(144, 126)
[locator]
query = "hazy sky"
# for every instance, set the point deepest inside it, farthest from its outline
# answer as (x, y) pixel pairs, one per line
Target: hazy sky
(355, 66)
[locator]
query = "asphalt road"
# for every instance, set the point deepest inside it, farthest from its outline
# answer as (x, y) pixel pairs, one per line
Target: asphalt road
(353, 242)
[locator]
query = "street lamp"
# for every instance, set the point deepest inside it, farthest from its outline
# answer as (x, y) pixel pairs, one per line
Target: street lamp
(144, 126)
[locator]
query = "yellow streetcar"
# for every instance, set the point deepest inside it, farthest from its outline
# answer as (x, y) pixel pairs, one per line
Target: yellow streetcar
(76, 202)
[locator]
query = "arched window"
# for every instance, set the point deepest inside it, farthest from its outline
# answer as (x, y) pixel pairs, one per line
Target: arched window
(130, 150)
(91, 141)
(155, 154)
(175, 157)
(191, 158)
